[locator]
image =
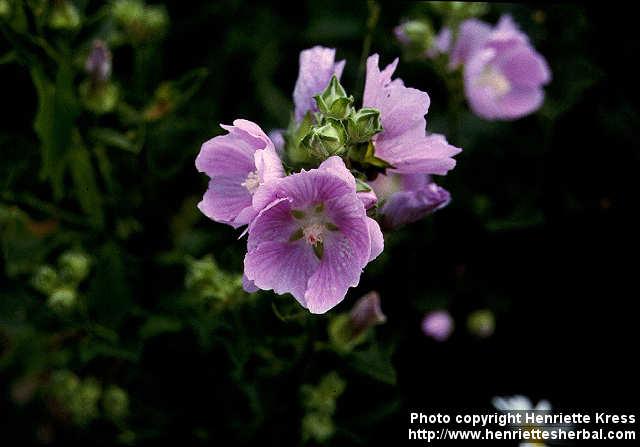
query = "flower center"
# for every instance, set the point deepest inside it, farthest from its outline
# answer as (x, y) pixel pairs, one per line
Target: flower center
(496, 81)
(252, 182)
(313, 233)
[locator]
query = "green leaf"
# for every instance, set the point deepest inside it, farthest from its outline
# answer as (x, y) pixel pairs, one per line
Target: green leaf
(375, 362)
(160, 324)
(113, 138)
(57, 111)
(362, 186)
(22, 250)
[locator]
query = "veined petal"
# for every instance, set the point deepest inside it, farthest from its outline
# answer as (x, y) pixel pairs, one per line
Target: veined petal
(225, 199)
(268, 165)
(284, 267)
(226, 155)
(409, 206)
(401, 108)
(340, 268)
(428, 154)
(317, 66)
(335, 165)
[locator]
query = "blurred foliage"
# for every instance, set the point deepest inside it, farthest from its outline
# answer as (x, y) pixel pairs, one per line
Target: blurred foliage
(122, 317)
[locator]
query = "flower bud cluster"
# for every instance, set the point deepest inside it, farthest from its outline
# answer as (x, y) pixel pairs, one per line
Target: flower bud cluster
(61, 284)
(320, 405)
(81, 399)
(340, 128)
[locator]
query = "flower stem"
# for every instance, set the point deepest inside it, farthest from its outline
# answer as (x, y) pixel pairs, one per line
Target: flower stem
(372, 22)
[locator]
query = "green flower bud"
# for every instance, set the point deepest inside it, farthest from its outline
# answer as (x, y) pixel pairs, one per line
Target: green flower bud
(455, 12)
(481, 323)
(156, 20)
(84, 403)
(363, 124)
(127, 11)
(5, 9)
(334, 102)
(62, 299)
(417, 35)
(74, 266)
(320, 403)
(326, 140)
(318, 427)
(115, 402)
(332, 385)
(142, 23)
(341, 333)
(99, 98)
(45, 280)
(322, 397)
(64, 383)
(207, 281)
(64, 16)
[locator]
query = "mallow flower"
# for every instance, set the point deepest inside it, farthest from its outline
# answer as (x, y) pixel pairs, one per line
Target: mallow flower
(503, 74)
(312, 237)
(407, 198)
(403, 143)
(238, 163)
(310, 233)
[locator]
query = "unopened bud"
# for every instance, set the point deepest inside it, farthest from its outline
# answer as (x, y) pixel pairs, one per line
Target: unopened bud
(74, 266)
(481, 323)
(334, 102)
(45, 279)
(454, 12)
(415, 34)
(366, 313)
(84, 403)
(363, 124)
(5, 9)
(99, 97)
(438, 325)
(63, 299)
(326, 140)
(98, 63)
(346, 331)
(115, 402)
(143, 23)
(64, 16)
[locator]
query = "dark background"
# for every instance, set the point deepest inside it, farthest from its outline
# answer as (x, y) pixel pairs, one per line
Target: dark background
(541, 230)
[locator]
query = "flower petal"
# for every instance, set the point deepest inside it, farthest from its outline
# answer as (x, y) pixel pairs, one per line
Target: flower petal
(377, 240)
(284, 267)
(226, 155)
(268, 165)
(408, 206)
(340, 268)
(410, 154)
(472, 35)
(317, 65)
(401, 108)
(225, 199)
(248, 285)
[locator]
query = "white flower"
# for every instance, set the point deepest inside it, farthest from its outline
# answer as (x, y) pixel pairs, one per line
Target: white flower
(522, 403)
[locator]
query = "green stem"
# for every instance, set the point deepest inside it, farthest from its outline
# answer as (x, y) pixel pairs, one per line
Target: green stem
(372, 22)
(46, 208)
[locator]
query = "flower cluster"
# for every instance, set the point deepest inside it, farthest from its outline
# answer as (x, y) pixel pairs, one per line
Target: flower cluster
(310, 196)
(503, 74)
